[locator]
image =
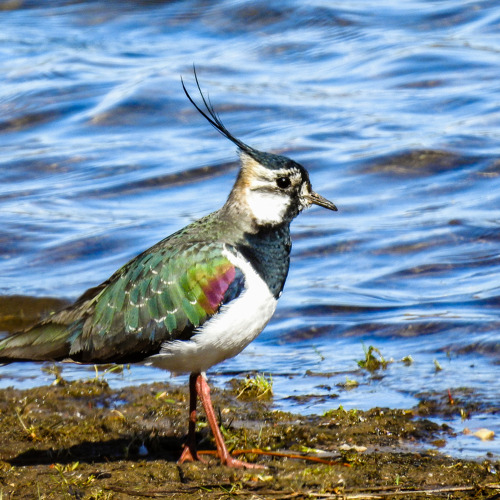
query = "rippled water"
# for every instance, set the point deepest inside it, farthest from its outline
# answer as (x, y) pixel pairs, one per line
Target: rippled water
(394, 107)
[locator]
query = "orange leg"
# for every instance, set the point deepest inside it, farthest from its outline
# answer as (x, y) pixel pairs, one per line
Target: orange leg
(199, 387)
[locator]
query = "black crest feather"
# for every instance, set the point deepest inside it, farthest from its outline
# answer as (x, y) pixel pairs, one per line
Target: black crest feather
(269, 160)
(212, 117)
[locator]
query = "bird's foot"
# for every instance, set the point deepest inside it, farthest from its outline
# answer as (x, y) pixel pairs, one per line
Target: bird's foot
(189, 455)
(239, 464)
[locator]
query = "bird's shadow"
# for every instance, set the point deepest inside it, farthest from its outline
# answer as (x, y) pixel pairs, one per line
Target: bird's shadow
(124, 448)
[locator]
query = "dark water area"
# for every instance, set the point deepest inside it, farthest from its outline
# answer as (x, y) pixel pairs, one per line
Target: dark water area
(394, 108)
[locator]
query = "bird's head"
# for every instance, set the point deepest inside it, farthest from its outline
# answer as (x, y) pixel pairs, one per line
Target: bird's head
(275, 188)
(272, 188)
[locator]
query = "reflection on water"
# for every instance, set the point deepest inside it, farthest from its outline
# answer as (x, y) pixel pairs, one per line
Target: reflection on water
(393, 109)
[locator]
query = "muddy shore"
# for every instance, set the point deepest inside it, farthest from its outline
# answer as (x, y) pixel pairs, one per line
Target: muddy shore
(83, 440)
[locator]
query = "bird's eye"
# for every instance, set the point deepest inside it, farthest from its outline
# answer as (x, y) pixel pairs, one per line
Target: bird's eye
(283, 182)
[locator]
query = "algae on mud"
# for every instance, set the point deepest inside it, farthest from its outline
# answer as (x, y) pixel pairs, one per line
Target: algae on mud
(83, 440)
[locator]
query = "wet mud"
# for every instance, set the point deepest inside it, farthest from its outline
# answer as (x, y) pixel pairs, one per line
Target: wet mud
(83, 440)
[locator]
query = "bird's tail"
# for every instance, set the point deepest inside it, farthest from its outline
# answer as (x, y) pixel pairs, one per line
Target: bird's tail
(51, 339)
(42, 342)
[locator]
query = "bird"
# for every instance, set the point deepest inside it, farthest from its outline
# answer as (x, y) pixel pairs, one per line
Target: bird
(195, 298)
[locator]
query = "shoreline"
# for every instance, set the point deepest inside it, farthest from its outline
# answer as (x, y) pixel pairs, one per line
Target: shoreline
(84, 440)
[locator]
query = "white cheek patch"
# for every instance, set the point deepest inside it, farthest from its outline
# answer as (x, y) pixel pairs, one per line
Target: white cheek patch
(267, 208)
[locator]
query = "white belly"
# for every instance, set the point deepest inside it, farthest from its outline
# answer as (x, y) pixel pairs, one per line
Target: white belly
(225, 334)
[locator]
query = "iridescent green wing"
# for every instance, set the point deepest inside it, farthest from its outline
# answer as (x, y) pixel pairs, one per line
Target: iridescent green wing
(161, 295)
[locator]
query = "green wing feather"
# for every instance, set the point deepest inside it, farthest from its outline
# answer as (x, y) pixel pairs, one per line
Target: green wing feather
(163, 294)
